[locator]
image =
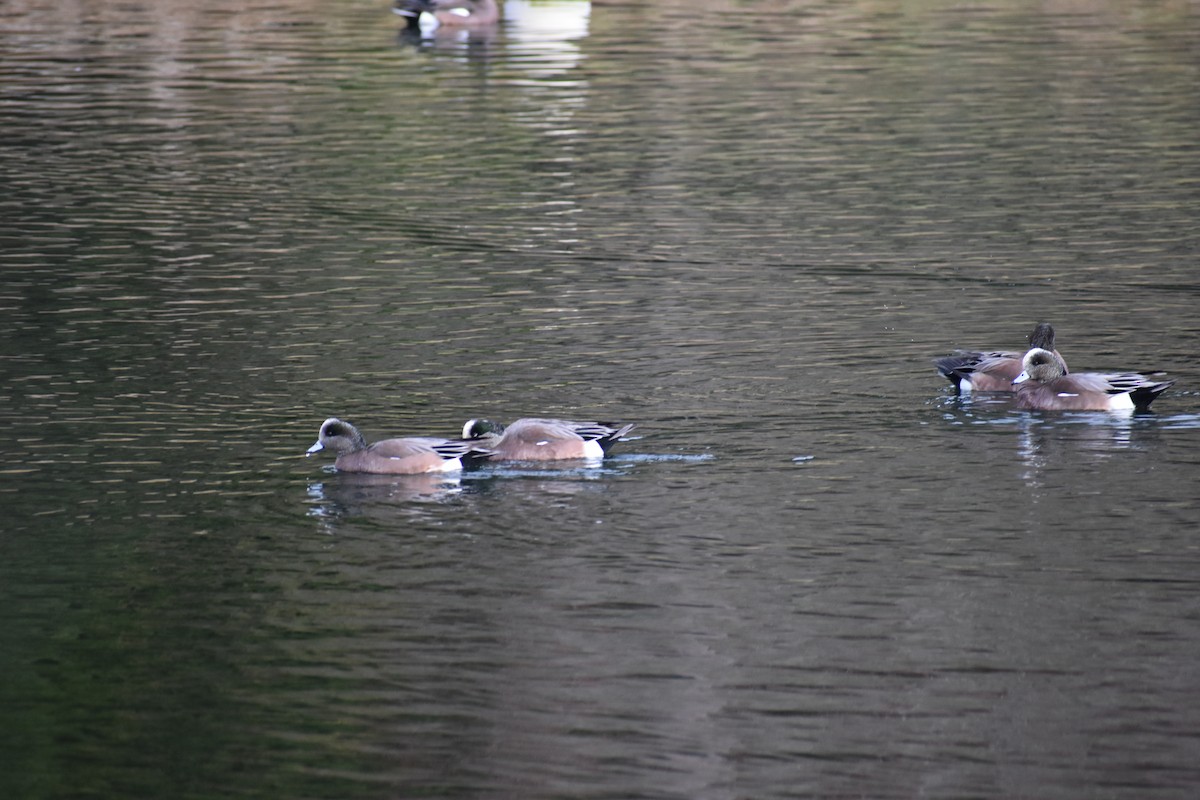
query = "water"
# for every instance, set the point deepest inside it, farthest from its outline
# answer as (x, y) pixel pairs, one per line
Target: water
(813, 572)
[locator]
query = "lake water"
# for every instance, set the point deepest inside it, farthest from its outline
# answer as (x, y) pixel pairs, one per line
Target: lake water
(748, 228)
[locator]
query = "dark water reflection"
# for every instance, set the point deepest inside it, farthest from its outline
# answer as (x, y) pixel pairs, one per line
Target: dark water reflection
(749, 229)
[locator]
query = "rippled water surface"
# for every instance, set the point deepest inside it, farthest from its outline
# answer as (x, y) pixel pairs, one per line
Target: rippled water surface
(747, 228)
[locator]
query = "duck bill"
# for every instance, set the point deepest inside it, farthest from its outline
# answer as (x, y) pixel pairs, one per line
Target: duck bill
(315, 448)
(1024, 376)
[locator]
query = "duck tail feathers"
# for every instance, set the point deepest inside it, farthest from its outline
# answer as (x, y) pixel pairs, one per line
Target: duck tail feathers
(1144, 395)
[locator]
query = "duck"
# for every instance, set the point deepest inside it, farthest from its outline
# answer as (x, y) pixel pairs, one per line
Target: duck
(533, 439)
(450, 13)
(1044, 385)
(994, 371)
(411, 455)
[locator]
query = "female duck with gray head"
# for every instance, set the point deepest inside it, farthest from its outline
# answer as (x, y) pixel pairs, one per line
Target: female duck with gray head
(407, 456)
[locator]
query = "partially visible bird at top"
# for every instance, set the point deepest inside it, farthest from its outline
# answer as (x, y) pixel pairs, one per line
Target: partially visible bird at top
(450, 13)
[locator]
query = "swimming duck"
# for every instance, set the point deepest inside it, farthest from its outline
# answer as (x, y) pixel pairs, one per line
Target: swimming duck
(1044, 385)
(994, 371)
(532, 439)
(407, 456)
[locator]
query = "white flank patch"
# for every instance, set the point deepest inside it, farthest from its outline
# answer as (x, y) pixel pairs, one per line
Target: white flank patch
(593, 449)
(964, 386)
(1120, 402)
(450, 465)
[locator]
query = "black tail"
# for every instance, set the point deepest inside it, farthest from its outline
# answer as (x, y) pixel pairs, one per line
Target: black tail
(475, 456)
(469, 451)
(958, 366)
(1143, 396)
(411, 11)
(613, 436)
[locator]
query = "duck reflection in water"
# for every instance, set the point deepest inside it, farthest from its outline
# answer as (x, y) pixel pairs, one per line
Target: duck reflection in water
(1052, 449)
(381, 498)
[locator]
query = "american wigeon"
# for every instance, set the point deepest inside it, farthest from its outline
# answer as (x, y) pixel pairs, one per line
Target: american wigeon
(994, 371)
(408, 456)
(544, 439)
(451, 13)
(1043, 385)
